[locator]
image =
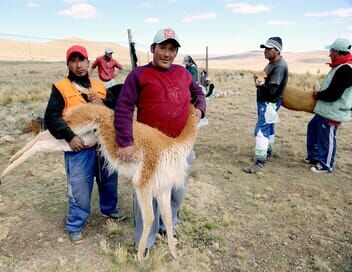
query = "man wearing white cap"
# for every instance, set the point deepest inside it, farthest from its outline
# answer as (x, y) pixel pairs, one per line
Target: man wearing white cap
(269, 100)
(162, 92)
(334, 105)
(106, 68)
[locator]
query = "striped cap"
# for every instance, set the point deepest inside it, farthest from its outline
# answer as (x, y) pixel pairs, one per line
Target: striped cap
(273, 42)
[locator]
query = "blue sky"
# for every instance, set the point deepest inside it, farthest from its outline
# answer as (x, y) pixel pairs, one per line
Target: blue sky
(225, 26)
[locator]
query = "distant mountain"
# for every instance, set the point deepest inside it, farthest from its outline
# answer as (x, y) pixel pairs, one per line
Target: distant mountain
(55, 50)
(298, 62)
(238, 56)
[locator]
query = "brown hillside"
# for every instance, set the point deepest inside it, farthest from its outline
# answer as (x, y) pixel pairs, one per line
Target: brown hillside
(14, 50)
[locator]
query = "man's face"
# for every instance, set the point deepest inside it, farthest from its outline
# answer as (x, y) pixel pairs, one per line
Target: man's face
(334, 55)
(78, 65)
(164, 54)
(108, 55)
(270, 54)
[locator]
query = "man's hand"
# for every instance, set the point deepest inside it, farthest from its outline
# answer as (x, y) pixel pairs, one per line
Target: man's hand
(315, 94)
(95, 99)
(76, 143)
(126, 153)
(198, 113)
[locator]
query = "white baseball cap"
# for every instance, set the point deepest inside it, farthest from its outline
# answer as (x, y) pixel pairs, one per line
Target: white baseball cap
(165, 34)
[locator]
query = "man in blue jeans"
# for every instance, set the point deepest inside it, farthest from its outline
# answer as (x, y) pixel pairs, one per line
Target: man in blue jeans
(162, 92)
(84, 162)
(269, 99)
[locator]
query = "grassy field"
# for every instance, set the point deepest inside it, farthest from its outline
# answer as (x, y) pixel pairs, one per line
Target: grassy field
(286, 219)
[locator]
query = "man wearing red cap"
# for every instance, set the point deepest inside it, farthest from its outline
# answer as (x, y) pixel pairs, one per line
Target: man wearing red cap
(83, 163)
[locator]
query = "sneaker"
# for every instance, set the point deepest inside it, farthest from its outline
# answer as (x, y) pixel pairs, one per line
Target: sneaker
(318, 168)
(118, 215)
(254, 169)
(75, 237)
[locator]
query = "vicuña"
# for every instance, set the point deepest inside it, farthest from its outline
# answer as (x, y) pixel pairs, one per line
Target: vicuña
(159, 163)
(294, 98)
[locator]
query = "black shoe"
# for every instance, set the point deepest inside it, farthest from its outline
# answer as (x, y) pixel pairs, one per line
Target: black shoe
(254, 169)
(76, 237)
(118, 215)
(318, 168)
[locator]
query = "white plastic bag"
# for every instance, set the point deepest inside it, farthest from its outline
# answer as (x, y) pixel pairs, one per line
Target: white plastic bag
(271, 115)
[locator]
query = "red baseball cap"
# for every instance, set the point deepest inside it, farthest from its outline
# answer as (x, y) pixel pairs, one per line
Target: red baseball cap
(76, 49)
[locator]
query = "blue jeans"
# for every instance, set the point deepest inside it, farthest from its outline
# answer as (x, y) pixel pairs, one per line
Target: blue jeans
(321, 142)
(81, 168)
(177, 197)
(264, 133)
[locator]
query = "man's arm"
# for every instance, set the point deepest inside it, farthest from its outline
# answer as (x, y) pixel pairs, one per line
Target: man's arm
(124, 110)
(270, 90)
(94, 65)
(117, 65)
(198, 97)
(124, 116)
(53, 117)
(339, 83)
(57, 125)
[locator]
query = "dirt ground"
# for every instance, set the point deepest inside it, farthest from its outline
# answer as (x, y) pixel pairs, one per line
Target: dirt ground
(286, 219)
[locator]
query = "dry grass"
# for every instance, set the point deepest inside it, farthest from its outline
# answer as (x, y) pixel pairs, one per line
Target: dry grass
(287, 219)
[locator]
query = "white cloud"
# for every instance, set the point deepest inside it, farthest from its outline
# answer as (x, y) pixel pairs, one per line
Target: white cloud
(341, 13)
(347, 12)
(246, 8)
(317, 14)
(151, 20)
(278, 22)
(80, 11)
(32, 4)
(199, 17)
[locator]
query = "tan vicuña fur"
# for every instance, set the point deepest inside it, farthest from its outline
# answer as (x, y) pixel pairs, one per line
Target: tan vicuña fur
(294, 98)
(159, 163)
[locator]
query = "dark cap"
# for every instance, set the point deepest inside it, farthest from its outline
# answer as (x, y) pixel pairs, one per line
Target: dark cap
(273, 42)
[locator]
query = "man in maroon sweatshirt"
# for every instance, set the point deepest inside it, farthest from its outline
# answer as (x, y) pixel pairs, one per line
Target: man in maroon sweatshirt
(162, 93)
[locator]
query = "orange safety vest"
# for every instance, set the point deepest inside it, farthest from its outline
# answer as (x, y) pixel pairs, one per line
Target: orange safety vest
(73, 97)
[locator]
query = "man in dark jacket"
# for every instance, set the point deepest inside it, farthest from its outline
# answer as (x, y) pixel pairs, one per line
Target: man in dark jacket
(269, 99)
(83, 163)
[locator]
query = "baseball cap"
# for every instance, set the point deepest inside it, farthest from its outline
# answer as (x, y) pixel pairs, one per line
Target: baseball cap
(166, 34)
(76, 49)
(273, 42)
(187, 59)
(343, 45)
(108, 50)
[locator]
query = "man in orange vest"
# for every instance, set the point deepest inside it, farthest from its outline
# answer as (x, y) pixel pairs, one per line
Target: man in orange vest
(83, 163)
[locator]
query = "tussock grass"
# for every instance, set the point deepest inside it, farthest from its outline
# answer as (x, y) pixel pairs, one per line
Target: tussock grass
(287, 219)
(112, 227)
